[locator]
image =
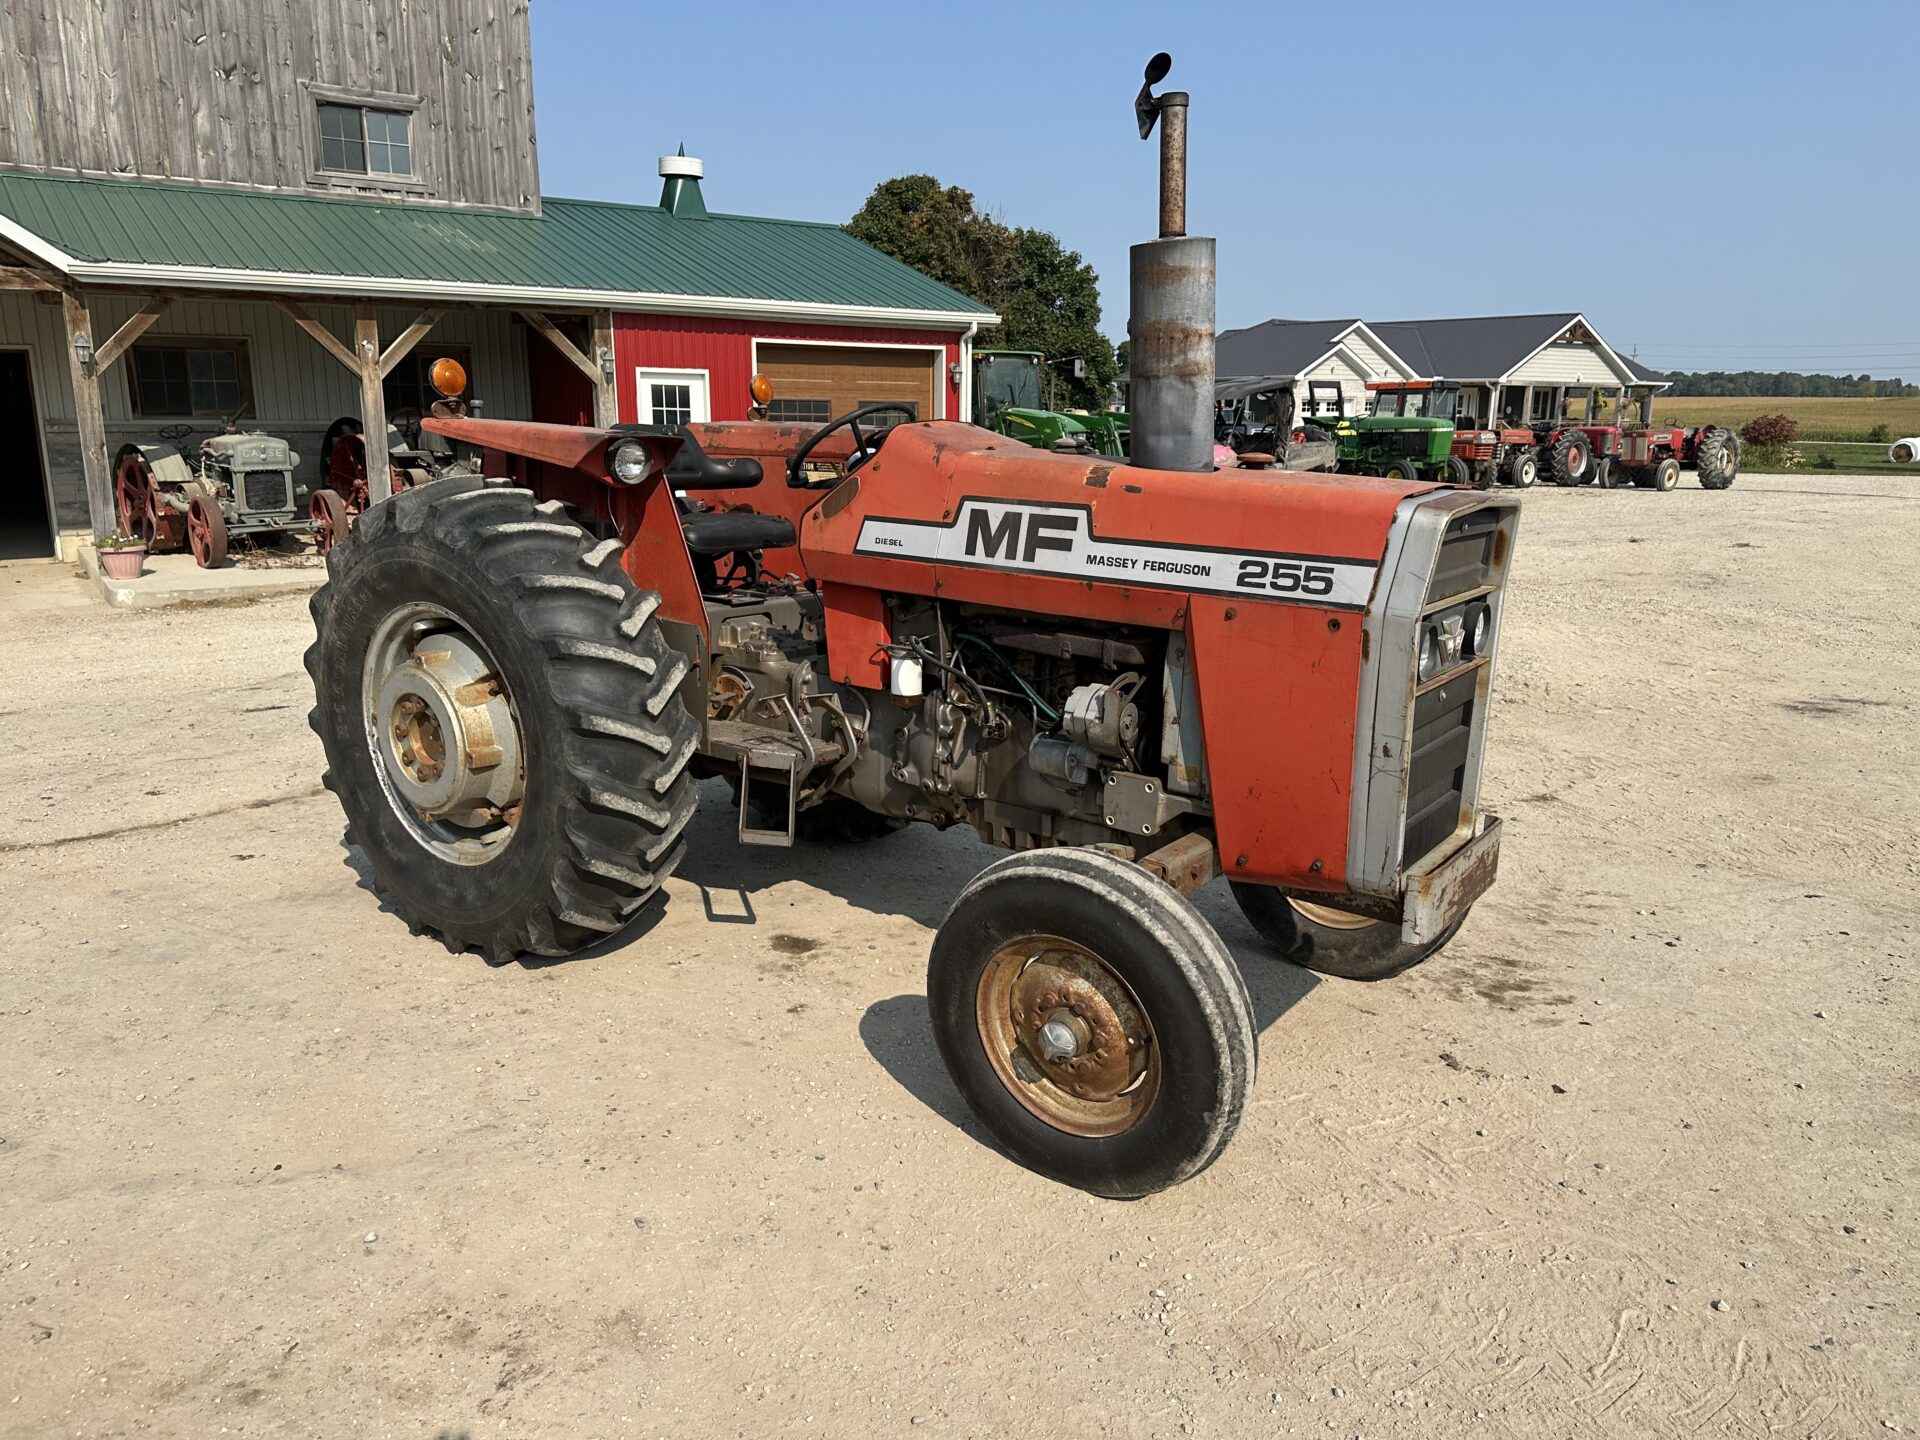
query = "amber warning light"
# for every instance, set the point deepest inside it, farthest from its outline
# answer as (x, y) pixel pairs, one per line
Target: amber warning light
(448, 377)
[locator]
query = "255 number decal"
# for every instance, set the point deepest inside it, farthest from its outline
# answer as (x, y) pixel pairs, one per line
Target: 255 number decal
(1286, 577)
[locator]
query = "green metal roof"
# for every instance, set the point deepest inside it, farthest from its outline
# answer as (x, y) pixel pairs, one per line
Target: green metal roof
(128, 230)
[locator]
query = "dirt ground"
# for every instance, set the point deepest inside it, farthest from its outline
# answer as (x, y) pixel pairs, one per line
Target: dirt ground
(1635, 1156)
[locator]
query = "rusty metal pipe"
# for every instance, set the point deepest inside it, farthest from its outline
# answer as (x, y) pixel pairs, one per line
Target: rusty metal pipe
(1173, 164)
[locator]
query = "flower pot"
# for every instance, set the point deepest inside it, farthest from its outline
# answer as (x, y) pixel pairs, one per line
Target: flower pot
(123, 564)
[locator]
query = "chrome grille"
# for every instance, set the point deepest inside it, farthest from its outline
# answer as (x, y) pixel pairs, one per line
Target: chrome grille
(1442, 740)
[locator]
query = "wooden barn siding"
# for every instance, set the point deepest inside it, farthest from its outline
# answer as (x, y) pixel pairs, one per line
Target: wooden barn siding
(212, 90)
(724, 349)
(298, 389)
(1566, 365)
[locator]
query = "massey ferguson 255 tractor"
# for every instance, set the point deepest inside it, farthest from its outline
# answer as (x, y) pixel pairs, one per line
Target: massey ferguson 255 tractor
(1134, 677)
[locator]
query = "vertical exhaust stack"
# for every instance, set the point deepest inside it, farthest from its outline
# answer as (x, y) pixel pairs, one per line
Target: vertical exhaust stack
(1170, 328)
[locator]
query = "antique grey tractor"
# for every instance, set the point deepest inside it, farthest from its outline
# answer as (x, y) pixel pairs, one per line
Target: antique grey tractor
(238, 484)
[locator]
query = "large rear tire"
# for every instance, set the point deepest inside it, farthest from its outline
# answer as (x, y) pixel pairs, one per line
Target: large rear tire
(472, 642)
(1093, 1020)
(1403, 470)
(1717, 458)
(1570, 459)
(1332, 941)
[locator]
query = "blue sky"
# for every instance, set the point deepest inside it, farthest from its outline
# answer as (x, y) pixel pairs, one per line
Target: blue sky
(1716, 185)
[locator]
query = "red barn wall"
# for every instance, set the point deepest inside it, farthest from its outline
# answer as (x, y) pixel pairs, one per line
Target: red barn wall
(724, 349)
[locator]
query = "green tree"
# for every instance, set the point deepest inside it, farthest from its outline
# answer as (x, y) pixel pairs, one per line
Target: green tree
(1048, 297)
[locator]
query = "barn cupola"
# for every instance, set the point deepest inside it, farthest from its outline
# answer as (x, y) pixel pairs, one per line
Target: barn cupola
(680, 186)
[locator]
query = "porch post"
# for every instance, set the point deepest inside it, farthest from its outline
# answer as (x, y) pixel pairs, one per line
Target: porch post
(88, 415)
(373, 402)
(606, 396)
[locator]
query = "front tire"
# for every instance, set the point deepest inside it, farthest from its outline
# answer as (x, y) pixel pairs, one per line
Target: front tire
(1331, 941)
(1403, 470)
(1151, 1066)
(473, 641)
(1523, 470)
(1458, 472)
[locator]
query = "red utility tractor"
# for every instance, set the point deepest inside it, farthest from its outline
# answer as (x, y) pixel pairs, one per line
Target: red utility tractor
(1134, 680)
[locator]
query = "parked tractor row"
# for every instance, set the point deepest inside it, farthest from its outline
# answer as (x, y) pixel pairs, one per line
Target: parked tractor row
(1415, 430)
(241, 483)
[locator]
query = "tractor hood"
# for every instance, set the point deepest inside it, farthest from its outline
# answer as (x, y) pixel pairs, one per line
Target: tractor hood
(251, 451)
(960, 508)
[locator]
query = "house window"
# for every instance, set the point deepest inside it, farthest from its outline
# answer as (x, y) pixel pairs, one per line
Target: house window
(190, 377)
(360, 140)
(801, 412)
(671, 402)
(406, 386)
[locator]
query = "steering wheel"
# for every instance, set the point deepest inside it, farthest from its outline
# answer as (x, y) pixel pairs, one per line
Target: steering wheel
(865, 445)
(174, 434)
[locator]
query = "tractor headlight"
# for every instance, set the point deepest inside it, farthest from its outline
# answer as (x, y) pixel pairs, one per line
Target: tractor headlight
(630, 462)
(1479, 628)
(1429, 651)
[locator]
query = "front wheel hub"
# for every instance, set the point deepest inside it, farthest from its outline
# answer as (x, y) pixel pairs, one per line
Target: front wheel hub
(1067, 1037)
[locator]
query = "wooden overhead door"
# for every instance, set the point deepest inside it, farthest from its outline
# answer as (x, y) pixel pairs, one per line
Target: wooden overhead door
(814, 383)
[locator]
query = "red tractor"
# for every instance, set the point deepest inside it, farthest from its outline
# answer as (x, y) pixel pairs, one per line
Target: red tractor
(1134, 680)
(1652, 456)
(1586, 451)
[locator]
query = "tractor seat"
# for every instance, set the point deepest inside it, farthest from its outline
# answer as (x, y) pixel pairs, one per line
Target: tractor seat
(721, 532)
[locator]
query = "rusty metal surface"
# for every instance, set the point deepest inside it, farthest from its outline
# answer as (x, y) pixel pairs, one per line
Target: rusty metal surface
(1187, 864)
(570, 446)
(1173, 164)
(1438, 896)
(1111, 1080)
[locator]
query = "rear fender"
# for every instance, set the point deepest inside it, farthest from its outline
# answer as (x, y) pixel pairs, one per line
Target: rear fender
(569, 463)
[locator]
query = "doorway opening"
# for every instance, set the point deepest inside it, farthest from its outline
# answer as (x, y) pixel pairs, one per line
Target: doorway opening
(26, 524)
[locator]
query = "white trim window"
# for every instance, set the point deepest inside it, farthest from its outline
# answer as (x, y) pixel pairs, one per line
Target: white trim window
(672, 397)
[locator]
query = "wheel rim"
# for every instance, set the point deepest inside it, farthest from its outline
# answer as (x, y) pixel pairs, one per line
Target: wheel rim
(443, 734)
(1330, 918)
(327, 517)
(199, 533)
(1068, 1037)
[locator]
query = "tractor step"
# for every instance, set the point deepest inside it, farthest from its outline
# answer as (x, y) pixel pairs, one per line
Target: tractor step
(767, 771)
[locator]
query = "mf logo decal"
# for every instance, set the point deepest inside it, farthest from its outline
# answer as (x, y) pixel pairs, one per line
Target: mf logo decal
(1059, 540)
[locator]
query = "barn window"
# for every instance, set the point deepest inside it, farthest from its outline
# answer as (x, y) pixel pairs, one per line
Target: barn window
(190, 377)
(362, 140)
(406, 386)
(801, 412)
(671, 403)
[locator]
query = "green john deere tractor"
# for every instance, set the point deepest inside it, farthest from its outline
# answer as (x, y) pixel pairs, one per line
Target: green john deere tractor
(1006, 398)
(1401, 440)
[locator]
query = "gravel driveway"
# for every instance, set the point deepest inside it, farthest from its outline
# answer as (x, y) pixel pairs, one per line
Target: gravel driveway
(1635, 1156)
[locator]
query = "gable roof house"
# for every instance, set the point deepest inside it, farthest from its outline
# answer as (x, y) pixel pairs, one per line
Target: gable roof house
(1514, 367)
(1323, 357)
(369, 209)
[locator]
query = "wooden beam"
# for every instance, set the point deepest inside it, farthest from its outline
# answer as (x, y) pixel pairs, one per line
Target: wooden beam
(408, 338)
(560, 342)
(320, 333)
(88, 416)
(606, 395)
(373, 401)
(15, 277)
(137, 324)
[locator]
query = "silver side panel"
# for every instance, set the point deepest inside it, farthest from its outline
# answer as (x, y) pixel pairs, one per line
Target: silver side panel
(1389, 683)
